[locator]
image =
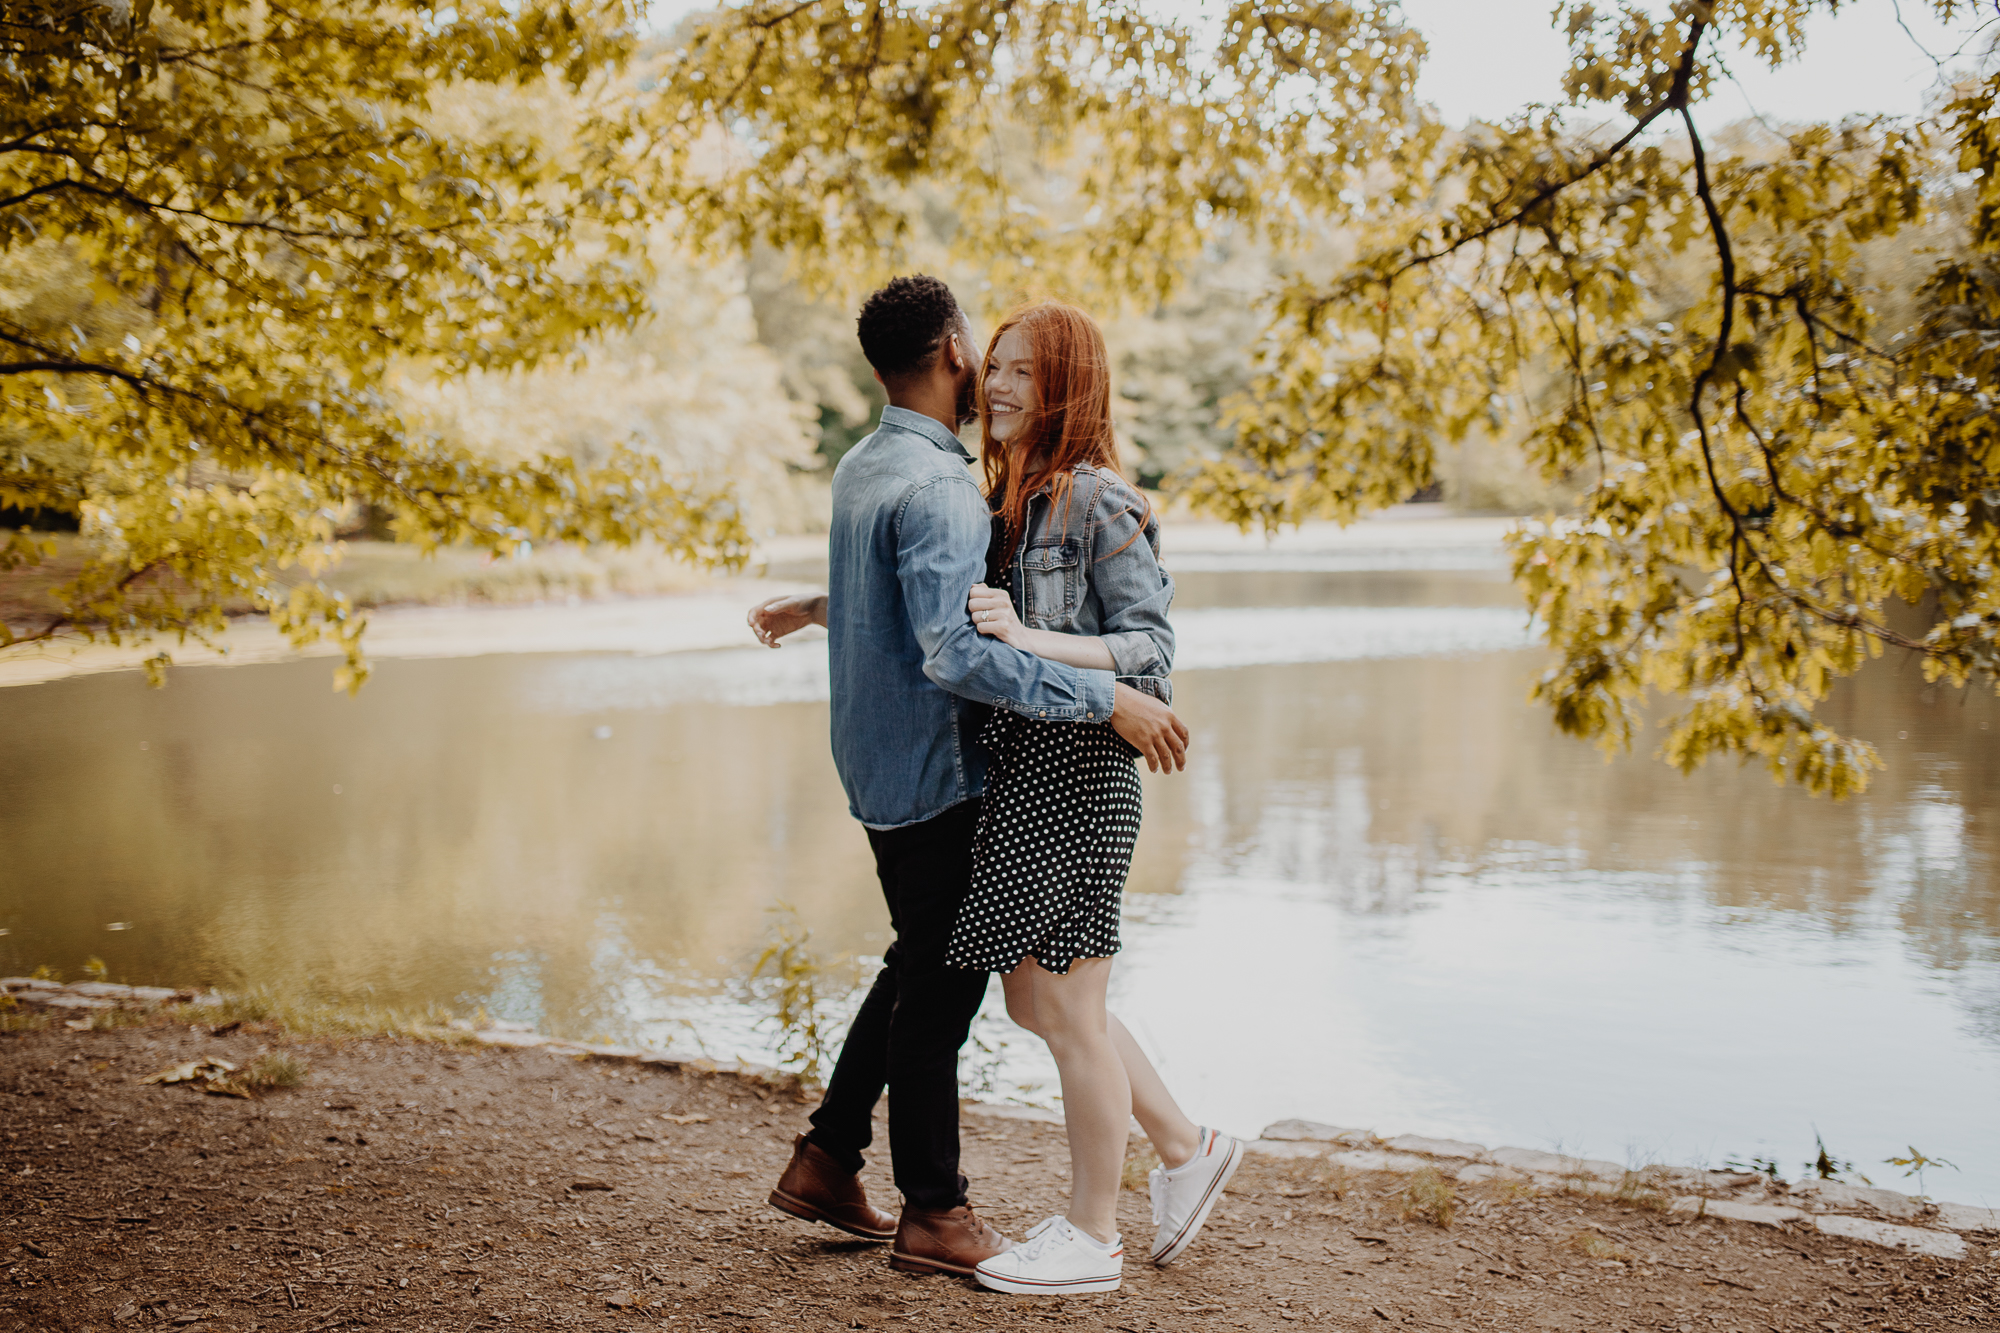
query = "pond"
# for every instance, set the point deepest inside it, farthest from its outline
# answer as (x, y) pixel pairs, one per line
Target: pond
(1385, 894)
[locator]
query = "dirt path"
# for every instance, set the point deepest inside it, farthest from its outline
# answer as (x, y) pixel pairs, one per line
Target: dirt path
(414, 1186)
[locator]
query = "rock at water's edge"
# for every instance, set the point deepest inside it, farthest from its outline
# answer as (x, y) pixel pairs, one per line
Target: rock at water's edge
(1964, 1217)
(1937, 1244)
(1827, 1195)
(1472, 1152)
(1316, 1132)
(1555, 1164)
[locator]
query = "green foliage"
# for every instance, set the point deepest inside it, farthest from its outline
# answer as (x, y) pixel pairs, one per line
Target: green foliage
(1781, 444)
(1756, 1166)
(805, 1030)
(225, 227)
(1825, 1166)
(1777, 483)
(1916, 1163)
(809, 127)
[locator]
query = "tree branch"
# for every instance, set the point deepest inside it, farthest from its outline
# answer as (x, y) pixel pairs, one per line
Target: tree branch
(1675, 100)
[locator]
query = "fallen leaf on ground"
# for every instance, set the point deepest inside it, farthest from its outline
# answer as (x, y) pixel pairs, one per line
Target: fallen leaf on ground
(591, 1185)
(625, 1300)
(193, 1071)
(685, 1119)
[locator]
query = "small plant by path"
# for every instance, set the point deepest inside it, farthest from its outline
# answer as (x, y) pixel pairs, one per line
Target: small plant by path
(1430, 1197)
(799, 1007)
(1916, 1163)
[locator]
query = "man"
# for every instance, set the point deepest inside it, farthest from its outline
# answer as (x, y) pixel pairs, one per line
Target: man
(912, 680)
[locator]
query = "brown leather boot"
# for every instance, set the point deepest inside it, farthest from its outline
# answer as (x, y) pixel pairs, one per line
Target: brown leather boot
(814, 1187)
(956, 1241)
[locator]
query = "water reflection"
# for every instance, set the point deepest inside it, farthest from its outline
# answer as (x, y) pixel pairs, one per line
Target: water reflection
(1385, 893)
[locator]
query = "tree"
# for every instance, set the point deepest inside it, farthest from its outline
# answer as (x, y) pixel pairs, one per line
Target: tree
(1782, 485)
(1787, 457)
(226, 225)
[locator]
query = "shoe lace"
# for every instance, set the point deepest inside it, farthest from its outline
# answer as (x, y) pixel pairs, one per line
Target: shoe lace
(1049, 1231)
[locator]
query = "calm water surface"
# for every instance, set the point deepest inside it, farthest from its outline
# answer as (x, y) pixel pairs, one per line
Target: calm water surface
(1385, 893)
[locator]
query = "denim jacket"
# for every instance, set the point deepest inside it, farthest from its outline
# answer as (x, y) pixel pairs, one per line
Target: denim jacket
(1086, 567)
(912, 679)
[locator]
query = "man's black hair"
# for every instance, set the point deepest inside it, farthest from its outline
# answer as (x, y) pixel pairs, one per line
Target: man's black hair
(904, 325)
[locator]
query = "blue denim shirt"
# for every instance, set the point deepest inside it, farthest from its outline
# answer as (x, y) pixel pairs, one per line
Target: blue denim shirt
(912, 678)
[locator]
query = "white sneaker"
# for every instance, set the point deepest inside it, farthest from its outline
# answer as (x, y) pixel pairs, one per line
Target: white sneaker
(1055, 1259)
(1183, 1196)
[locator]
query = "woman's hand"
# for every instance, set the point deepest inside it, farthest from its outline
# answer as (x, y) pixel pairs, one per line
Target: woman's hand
(993, 614)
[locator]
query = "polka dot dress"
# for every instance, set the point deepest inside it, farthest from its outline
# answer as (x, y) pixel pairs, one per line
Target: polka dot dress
(1053, 846)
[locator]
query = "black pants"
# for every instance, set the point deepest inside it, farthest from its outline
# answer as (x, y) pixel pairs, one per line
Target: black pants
(916, 1017)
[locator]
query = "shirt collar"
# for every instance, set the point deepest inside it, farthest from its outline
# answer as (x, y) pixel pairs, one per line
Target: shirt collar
(904, 419)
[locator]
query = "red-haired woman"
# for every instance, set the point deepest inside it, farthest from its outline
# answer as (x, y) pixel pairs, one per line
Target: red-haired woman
(1076, 549)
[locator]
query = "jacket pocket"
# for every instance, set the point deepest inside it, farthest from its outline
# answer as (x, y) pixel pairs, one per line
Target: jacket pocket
(1052, 581)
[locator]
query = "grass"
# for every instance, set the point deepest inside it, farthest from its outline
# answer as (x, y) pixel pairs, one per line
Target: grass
(1139, 1163)
(1429, 1197)
(274, 1069)
(292, 1013)
(1645, 1189)
(1597, 1247)
(14, 1018)
(305, 1017)
(108, 1020)
(1334, 1179)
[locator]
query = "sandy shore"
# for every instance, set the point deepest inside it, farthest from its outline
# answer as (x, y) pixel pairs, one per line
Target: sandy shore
(1411, 537)
(411, 1185)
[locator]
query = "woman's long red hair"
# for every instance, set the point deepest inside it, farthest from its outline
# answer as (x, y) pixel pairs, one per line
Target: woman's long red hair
(1070, 426)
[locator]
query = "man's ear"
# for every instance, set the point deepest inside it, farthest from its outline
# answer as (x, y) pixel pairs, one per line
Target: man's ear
(954, 353)
(878, 378)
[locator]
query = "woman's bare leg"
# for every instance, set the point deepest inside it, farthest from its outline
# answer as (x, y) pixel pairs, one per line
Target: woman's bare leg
(1174, 1137)
(1068, 1013)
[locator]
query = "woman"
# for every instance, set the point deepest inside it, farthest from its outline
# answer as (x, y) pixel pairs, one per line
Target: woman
(1080, 549)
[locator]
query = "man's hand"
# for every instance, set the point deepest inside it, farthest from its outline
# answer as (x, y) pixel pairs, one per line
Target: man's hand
(772, 620)
(1151, 727)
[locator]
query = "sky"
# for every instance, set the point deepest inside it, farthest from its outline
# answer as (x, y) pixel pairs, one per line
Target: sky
(1491, 57)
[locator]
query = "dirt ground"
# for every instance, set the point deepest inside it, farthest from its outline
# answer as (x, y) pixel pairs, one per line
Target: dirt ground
(409, 1185)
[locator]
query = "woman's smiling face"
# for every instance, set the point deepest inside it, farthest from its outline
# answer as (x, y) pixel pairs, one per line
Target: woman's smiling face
(1010, 385)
